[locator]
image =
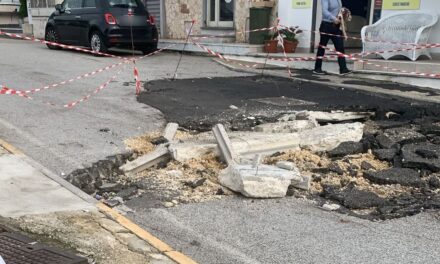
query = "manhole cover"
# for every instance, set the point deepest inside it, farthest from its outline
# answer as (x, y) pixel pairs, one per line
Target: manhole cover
(283, 101)
(18, 249)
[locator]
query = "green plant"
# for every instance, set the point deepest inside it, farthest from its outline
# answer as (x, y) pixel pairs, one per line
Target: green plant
(22, 11)
(290, 33)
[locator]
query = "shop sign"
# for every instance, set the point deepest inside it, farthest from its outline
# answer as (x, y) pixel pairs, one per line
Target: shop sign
(297, 4)
(401, 4)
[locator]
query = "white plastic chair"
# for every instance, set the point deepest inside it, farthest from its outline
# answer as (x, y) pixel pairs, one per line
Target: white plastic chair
(405, 27)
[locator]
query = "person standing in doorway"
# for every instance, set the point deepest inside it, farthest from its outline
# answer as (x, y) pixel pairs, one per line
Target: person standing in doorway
(331, 24)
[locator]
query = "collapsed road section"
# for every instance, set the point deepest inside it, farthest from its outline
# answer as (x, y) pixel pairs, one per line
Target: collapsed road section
(370, 156)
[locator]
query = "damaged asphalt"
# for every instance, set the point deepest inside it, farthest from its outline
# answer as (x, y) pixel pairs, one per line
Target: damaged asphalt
(231, 230)
(201, 103)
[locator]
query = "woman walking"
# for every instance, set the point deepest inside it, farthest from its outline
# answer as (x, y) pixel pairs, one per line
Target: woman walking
(331, 24)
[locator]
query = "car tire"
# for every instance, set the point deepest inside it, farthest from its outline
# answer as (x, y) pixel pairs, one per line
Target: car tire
(149, 49)
(52, 36)
(97, 42)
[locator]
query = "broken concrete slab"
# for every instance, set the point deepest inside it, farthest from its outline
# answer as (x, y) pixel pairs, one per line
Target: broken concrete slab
(170, 131)
(328, 137)
(261, 182)
(392, 137)
(224, 144)
(287, 165)
(185, 151)
(402, 176)
(146, 161)
(347, 148)
(334, 116)
(324, 138)
(421, 156)
(331, 207)
(303, 184)
(286, 127)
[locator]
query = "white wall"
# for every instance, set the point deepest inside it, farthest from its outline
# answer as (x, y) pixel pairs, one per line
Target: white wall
(296, 17)
(425, 5)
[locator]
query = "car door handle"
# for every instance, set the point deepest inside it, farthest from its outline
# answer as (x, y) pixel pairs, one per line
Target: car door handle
(78, 17)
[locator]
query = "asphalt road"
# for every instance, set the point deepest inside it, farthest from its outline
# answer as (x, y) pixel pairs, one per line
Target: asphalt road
(234, 230)
(67, 139)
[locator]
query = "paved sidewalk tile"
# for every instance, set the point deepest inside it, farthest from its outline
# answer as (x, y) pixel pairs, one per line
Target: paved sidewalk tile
(25, 190)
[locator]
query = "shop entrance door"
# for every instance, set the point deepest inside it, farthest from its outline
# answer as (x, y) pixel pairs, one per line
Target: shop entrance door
(220, 13)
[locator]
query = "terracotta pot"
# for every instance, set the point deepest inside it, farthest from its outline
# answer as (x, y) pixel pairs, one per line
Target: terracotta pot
(271, 46)
(290, 46)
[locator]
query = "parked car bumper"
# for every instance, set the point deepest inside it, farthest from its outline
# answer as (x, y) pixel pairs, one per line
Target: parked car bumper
(123, 36)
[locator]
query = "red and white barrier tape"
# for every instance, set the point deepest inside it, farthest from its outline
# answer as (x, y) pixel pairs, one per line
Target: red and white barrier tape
(222, 57)
(10, 91)
(12, 35)
(87, 97)
(231, 35)
(83, 99)
(281, 42)
(137, 81)
(357, 38)
(353, 54)
(432, 75)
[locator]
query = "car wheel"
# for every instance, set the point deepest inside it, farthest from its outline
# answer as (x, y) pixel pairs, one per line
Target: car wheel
(149, 49)
(97, 42)
(52, 36)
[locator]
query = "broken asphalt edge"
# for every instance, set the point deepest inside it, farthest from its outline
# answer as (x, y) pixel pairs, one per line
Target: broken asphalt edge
(369, 89)
(165, 249)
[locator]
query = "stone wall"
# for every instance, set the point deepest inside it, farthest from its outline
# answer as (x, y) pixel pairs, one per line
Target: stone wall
(241, 17)
(179, 14)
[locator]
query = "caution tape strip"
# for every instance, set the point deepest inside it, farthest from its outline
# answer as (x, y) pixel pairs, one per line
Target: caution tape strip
(357, 38)
(11, 91)
(223, 57)
(423, 74)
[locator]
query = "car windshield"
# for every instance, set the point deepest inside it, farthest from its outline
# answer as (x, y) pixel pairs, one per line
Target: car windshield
(123, 3)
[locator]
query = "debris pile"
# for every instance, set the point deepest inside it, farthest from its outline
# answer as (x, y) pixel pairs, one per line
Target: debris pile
(347, 161)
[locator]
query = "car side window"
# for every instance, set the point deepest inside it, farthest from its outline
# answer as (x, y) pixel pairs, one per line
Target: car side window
(71, 4)
(89, 3)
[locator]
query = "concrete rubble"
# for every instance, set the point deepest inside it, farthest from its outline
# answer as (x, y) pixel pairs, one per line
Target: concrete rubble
(322, 138)
(256, 181)
(243, 152)
(327, 117)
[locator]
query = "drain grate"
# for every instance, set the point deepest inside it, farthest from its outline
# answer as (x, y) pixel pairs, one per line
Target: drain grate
(18, 249)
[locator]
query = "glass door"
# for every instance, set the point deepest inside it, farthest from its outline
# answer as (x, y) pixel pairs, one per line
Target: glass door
(220, 13)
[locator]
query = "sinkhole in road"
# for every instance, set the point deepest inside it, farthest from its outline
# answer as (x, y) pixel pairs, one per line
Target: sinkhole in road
(392, 172)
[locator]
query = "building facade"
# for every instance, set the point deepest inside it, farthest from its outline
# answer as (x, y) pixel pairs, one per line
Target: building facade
(9, 12)
(308, 14)
(212, 17)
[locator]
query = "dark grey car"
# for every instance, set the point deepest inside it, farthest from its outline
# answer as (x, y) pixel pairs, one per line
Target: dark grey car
(102, 24)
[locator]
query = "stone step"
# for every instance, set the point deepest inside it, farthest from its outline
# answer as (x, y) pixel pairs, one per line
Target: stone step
(223, 48)
(385, 67)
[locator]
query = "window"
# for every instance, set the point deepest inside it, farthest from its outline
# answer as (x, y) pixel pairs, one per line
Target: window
(220, 13)
(89, 3)
(123, 3)
(69, 4)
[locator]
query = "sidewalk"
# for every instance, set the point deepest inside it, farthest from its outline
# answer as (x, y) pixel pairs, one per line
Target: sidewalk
(45, 210)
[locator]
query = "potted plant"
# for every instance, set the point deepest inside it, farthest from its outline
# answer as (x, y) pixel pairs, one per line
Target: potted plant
(290, 40)
(271, 43)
